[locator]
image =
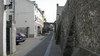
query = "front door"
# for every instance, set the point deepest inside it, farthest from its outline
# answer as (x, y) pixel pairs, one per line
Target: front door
(8, 40)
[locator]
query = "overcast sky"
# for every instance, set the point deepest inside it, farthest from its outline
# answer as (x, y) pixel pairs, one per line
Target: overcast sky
(49, 6)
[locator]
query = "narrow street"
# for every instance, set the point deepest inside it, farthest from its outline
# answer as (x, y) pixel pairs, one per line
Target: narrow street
(40, 46)
(49, 28)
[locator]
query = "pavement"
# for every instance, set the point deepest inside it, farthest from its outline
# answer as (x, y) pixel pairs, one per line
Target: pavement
(55, 49)
(41, 46)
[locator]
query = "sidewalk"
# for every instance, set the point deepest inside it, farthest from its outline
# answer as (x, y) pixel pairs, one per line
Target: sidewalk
(26, 46)
(55, 49)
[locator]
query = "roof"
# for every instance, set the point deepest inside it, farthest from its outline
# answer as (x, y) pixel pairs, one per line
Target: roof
(33, 2)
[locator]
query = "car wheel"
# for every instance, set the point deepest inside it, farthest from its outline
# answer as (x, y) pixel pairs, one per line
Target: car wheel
(17, 43)
(23, 40)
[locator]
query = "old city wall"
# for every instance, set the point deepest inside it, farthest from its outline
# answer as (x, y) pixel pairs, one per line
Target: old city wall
(78, 32)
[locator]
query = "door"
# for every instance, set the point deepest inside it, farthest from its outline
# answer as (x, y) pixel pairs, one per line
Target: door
(8, 40)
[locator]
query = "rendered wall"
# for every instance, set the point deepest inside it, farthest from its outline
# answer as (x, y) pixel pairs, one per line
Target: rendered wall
(2, 30)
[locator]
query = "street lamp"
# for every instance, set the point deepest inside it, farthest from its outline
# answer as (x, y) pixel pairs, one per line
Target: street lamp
(9, 5)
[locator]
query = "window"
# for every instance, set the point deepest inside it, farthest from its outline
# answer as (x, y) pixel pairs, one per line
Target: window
(10, 17)
(35, 18)
(10, 7)
(35, 27)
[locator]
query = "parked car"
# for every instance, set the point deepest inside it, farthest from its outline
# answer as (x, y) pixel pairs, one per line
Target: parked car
(22, 35)
(18, 39)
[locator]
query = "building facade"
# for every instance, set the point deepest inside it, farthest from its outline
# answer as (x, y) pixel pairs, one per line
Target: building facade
(59, 11)
(2, 30)
(28, 16)
(10, 27)
(38, 20)
(7, 28)
(58, 18)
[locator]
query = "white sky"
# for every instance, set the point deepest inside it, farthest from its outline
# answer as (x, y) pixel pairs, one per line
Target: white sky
(49, 6)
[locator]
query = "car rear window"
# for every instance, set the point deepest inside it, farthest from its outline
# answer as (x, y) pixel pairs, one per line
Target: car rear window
(22, 34)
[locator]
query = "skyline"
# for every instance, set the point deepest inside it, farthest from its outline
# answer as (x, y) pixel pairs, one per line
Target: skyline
(50, 9)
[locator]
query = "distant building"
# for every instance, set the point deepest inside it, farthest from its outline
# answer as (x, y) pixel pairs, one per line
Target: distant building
(59, 11)
(48, 26)
(57, 22)
(39, 20)
(58, 15)
(43, 18)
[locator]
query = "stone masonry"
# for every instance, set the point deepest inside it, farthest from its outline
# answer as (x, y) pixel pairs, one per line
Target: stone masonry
(78, 32)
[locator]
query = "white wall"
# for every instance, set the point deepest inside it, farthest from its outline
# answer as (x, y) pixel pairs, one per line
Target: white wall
(12, 28)
(38, 22)
(24, 14)
(2, 30)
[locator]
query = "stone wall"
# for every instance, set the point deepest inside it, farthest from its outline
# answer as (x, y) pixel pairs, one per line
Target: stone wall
(79, 28)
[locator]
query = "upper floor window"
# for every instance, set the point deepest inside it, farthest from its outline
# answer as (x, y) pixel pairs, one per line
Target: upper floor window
(10, 7)
(10, 17)
(35, 17)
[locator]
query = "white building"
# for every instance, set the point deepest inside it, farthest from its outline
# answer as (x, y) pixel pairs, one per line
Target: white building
(7, 37)
(11, 28)
(27, 16)
(2, 30)
(38, 21)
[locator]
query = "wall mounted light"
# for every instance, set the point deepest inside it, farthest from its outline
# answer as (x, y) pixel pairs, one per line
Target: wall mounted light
(9, 5)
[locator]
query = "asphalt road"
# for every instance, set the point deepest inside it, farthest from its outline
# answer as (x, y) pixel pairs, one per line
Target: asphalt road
(40, 49)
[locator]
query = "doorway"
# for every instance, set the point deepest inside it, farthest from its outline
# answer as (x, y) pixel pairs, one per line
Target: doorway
(8, 40)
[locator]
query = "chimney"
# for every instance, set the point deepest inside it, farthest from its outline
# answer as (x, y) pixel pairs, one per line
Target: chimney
(57, 5)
